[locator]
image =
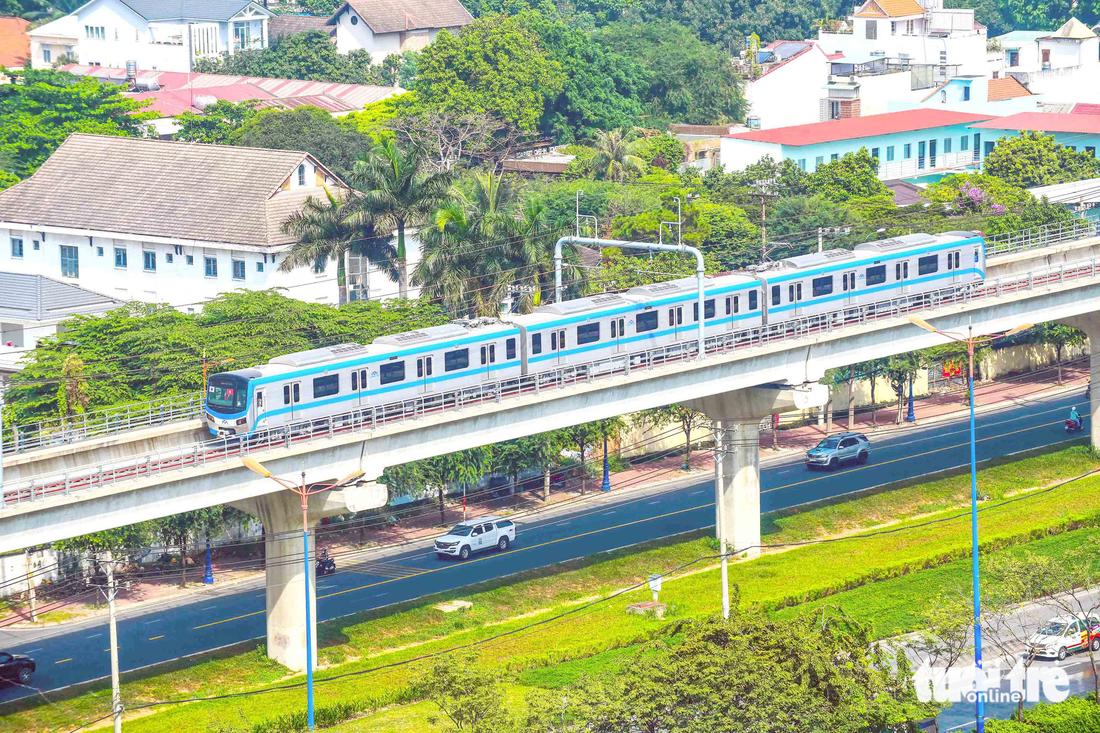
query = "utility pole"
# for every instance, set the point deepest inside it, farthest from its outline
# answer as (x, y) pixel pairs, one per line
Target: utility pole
(719, 459)
(30, 588)
(3, 384)
(111, 590)
(766, 186)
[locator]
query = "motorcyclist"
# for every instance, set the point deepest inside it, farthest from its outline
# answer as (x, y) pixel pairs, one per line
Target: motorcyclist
(1076, 418)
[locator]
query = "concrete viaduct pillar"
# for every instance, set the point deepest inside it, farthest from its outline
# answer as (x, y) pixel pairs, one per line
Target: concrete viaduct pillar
(737, 442)
(281, 515)
(1090, 324)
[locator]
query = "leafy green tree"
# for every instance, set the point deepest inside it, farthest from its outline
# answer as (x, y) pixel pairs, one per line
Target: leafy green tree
(795, 219)
(1060, 338)
(319, 7)
(685, 418)
(586, 437)
(690, 81)
(218, 123)
(619, 271)
(309, 56)
(72, 388)
(328, 230)
(336, 143)
(662, 150)
(1034, 159)
(186, 528)
(899, 370)
(544, 452)
(119, 541)
(616, 157)
(37, 115)
(852, 176)
(728, 235)
(467, 692)
(398, 191)
(421, 478)
(494, 66)
(532, 255)
(871, 371)
(997, 205)
(375, 118)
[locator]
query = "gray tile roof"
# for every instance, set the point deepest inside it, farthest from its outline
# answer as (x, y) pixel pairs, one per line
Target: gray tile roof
(158, 188)
(38, 298)
(288, 25)
(193, 9)
(390, 16)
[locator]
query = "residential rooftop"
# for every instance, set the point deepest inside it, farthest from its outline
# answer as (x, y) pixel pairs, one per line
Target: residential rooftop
(859, 127)
(399, 16)
(1044, 122)
(36, 298)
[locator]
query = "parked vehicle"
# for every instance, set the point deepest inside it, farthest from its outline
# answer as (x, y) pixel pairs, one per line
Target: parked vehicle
(476, 535)
(16, 668)
(837, 449)
(1063, 635)
(325, 565)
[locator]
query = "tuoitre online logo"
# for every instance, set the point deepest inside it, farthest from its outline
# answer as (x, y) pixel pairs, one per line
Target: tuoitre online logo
(964, 683)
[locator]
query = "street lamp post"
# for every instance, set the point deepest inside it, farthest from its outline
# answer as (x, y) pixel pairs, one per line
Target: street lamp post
(303, 493)
(912, 415)
(970, 341)
(606, 468)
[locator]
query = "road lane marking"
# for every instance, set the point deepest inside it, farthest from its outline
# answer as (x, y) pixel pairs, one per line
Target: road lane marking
(658, 501)
(209, 608)
(235, 618)
(607, 513)
(62, 661)
(154, 621)
(95, 635)
(109, 648)
(31, 651)
(154, 638)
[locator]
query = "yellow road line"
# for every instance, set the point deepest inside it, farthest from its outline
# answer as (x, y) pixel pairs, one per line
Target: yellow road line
(227, 620)
(154, 638)
(62, 661)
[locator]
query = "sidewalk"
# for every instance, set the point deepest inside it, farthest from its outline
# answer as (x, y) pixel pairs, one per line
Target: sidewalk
(421, 522)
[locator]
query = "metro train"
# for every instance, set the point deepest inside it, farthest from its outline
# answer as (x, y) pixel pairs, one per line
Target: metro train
(462, 354)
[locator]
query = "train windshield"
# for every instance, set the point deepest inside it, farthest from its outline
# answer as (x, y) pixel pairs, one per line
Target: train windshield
(227, 393)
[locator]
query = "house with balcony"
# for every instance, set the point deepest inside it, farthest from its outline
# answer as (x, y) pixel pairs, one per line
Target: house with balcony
(1080, 132)
(384, 27)
(919, 31)
(171, 222)
(1002, 96)
(911, 144)
(164, 35)
(1062, 65)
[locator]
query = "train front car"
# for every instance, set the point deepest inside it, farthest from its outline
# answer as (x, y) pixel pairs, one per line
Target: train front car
(228, 402)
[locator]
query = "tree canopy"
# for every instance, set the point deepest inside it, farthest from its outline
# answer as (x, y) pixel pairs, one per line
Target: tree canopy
(1033, 159)
(310, 56)
(336, 143)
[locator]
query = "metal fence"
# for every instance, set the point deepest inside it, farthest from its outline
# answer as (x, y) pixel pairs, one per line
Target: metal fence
(173, 461)
(19, 438)
(1040, 236)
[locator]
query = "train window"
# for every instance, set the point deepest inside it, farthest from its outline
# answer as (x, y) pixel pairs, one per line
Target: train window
(795, 292)
(554, 341)
(790, 293)
(672, 316)
(823, 285)
(646, 321)
(484, 354)
(286, 394)
(363, 379)
(708, 310)
(588, 333)
(536, 343)
(876, 275)
(392, 372)
(492, 356)
(736, 304)
(728, 305)
(975, 255)
(561, 339)
(510, 349)
(614, 329)
(897, 271)
(904, 270)
(753, 300)
(458, 359)
(355, 381)
(259, 399)
(950, 262)
(956, 260)
(776, 297)
(845, 282)
(622, 327)
(429, 369)
(928, 265)
(297, 388)
(325, 386)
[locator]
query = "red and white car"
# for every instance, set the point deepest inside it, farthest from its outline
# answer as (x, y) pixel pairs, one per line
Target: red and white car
(1063, 635)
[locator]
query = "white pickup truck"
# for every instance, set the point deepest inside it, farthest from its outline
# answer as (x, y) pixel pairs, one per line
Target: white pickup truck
(476, 535)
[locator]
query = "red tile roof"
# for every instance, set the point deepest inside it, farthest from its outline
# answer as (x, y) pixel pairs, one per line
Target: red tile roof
(1084, 108)
(15, 44)
(1006, 88)
(1044, 122)
(857, 127)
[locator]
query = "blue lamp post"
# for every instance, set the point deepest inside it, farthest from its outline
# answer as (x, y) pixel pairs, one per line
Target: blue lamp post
(606, 468)
(970, 341)
(208, 577)
(304, 493)
(912, 415)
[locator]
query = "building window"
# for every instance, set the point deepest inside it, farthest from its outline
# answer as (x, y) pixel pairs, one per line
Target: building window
(920, 154)
(893, 28)
(966, 93)
(874, 154)
(354, 20)
(17, 247)
(149, 261)
(872, 29)
(889, 153)
(947, 145)
(819, 160)
(1046, 59)
(834, 110)
(120, 257)
(964, 142)
(943, 56)
(238, 269)
(169, 258)
(98, 251)
(943, 96)
(977, 145)
(907, 151)
(802, 163)
(96, 32)
(190, 260)
(909, 30)
(1072, 147)
(1091, 151)
(211, 264)
(302, 174)
(833, 157)
(70, 262)
(46, 55)
(259, 267)
(36, 245)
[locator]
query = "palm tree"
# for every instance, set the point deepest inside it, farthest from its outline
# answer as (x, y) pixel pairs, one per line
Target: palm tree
(329, 229)
(397, 191)
(616, 157)
(467, 255)
(533, 254)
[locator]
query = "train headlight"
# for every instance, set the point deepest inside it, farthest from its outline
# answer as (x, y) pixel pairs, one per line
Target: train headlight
(242, 421)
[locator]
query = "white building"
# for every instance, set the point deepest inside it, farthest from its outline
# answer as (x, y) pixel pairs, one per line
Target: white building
(383, 27)
(978, 94)
(921, 32)
(789, 77)
(170, 222)
(164, 35)
(1063, 65)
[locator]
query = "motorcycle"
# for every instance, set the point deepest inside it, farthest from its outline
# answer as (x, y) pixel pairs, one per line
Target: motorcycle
(1074, 426)
(325, 565)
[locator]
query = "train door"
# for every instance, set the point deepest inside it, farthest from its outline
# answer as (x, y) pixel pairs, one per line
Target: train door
(489, 360)
(292, 399)
(259, 404)
(424, 374)
(557, 345)
(359, 386)
(794, 295)
(618, 334)
(848, 283)
(676, 321)
(954, 261)
(901, 275)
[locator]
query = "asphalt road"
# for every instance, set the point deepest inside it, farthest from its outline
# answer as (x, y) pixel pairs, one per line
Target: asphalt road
(73, 654)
